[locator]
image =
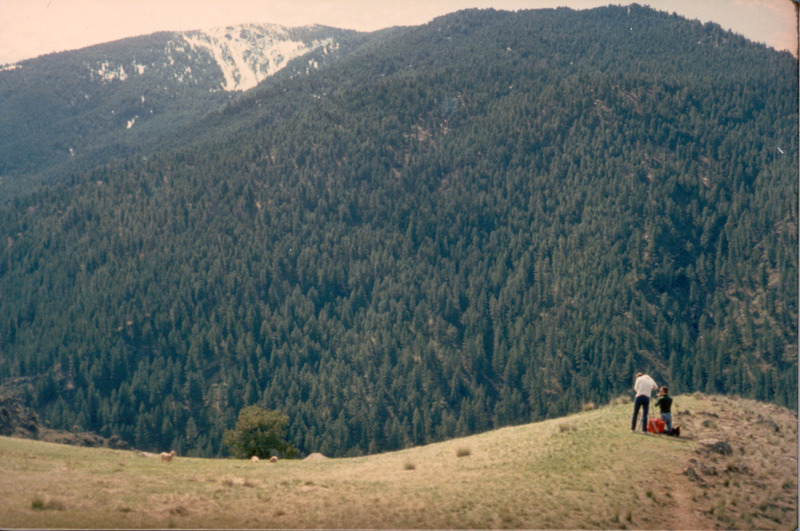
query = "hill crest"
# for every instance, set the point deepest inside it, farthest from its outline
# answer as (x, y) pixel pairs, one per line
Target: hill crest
(581, 471)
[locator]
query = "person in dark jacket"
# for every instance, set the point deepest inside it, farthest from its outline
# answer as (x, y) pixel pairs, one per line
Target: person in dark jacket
(664, 403)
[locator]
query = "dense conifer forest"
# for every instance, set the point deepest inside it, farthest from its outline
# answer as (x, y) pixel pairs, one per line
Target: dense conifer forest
(479, 222)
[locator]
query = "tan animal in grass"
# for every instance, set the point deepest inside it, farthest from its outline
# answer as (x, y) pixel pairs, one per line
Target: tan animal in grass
(273, 459)
(254, 459)
(168, 456)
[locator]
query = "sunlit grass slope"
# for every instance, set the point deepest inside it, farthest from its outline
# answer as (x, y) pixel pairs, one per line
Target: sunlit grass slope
(583, 471)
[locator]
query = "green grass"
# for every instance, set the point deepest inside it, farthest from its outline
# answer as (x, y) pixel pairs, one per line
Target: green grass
(596, 474)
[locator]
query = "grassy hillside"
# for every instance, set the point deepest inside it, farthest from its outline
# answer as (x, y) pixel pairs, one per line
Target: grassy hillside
(583, 471)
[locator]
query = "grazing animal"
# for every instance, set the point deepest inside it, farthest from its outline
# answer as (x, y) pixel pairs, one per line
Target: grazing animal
(273, 459)
(254, 459)
(168, 456)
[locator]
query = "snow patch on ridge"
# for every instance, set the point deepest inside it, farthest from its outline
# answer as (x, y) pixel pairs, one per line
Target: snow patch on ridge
(250, 53)
(110, 70)
(107, 72)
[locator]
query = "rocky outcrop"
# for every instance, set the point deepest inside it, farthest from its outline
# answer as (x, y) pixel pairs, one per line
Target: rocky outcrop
(17, 419)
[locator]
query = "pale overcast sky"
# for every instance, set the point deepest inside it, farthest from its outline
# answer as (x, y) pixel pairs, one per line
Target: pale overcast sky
(29, 28)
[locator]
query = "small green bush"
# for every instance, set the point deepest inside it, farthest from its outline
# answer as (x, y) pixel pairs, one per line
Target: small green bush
(259, 432)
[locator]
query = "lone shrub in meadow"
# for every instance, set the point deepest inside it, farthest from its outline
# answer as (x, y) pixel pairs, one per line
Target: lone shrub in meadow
(259, 433)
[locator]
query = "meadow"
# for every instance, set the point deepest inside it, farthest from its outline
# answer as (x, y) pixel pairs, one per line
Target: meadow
(585, 470)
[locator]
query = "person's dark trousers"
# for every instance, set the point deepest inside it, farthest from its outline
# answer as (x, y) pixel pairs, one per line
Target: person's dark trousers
(643, 402)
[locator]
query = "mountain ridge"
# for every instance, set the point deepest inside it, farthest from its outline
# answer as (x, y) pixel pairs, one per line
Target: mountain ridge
(75, 110)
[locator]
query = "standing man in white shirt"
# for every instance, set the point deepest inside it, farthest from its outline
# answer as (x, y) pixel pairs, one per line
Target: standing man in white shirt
(644, 387)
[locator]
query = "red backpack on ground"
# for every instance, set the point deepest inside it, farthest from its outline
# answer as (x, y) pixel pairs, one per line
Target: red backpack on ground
(659, 426)
(656, 425)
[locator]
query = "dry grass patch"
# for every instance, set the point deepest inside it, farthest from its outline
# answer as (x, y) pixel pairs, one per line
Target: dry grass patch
(47, 504)
(566, 426)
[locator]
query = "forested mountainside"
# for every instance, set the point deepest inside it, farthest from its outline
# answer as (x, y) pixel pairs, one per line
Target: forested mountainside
(482, 221)
(71, 111)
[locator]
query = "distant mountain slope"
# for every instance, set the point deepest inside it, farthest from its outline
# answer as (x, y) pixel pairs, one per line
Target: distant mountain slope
(74, 110)
(485, 220)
